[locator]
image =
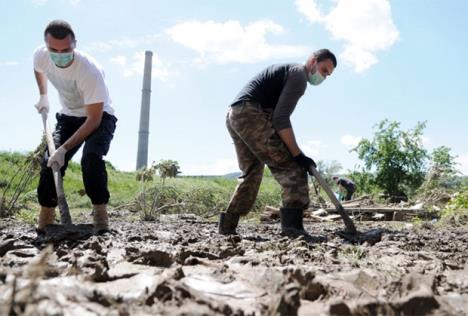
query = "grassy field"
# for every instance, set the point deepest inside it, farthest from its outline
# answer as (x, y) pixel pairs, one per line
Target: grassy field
(203, 196)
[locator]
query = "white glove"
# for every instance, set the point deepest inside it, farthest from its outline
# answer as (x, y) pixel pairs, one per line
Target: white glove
(57, 160)
(43, 104)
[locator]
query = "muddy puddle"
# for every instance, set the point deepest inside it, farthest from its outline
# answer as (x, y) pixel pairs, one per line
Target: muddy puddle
(181, 266)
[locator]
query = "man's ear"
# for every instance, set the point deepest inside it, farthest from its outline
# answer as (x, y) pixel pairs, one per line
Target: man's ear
(311, 62)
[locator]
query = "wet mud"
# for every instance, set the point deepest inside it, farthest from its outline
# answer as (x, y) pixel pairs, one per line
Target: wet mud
(181, 266)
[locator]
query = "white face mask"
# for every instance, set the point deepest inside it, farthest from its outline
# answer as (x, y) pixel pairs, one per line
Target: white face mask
(315, 78)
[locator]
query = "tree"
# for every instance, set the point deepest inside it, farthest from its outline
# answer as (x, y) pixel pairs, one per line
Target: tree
(397, 158)
(364, 180)
(442, 171)
(168, 168)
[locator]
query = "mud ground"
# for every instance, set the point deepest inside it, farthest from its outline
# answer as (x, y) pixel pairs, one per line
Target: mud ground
(181, 266)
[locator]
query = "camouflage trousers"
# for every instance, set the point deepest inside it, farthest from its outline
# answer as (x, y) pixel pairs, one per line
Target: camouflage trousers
(257, 144)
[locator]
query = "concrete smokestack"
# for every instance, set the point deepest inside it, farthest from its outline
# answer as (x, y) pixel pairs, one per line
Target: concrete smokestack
(143, 133)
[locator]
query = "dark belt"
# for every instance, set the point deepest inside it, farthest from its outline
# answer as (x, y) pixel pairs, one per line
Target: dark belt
(252, 104)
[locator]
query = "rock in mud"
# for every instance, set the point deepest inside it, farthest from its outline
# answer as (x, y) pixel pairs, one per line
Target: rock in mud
(419, 302)
(287, 302)
(152, 257)
(339, 308)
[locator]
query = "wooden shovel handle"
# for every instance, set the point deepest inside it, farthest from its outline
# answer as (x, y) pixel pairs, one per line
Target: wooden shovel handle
(346, 219)
(65, 217)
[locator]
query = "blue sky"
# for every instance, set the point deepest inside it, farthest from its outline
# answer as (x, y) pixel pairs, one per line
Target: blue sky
(401, 60)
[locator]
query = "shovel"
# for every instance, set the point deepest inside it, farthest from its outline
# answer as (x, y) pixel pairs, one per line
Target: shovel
(350, 233)
(350, 228)
(65, 218)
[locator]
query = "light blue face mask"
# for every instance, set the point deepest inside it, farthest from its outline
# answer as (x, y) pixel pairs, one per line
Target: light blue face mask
(61, 59)
(315, 78)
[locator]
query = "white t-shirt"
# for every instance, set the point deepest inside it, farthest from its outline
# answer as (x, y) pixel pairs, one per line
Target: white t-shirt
(80, 84)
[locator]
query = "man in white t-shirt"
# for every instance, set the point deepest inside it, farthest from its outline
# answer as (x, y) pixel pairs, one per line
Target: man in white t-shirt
(86, 117)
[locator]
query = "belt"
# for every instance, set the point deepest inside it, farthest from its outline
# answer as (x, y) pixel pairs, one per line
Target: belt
(252, 104)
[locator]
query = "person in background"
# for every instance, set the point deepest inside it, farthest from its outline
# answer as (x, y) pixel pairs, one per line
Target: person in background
(346, 187)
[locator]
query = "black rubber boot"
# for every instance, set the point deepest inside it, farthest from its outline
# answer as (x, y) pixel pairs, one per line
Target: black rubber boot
(228, 223)
(291, 221)
(292, 225)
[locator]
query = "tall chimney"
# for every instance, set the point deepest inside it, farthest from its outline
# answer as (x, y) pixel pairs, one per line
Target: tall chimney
(143, 133)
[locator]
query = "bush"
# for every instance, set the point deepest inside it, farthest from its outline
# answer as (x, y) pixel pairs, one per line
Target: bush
(203, 196)
(456, 211)
(365, 182)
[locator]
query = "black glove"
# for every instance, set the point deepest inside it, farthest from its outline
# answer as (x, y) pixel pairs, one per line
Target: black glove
(305, 162)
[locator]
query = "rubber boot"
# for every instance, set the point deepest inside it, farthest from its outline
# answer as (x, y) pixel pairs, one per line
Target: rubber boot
(100, 218)
(228, 223)
(291, 221)
(46, 217)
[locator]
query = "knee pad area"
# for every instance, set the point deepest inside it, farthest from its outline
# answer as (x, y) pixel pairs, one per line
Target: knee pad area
(91, 161)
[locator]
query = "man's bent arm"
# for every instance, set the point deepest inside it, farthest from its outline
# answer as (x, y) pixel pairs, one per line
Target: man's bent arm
(41, 80)
(287, 135)
(93, 120)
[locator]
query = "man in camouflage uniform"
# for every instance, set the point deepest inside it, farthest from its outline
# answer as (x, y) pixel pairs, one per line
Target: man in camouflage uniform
(258, 122)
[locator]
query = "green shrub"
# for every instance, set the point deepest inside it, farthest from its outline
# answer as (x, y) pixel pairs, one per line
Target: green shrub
(456, 211)
(203, 196)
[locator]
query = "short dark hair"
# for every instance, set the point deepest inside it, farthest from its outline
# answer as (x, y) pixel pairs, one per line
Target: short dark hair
(59, 29)
(323, 54)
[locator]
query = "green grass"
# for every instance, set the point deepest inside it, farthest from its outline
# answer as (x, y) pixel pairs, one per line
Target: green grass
(122, 185)
(456, 211)
(204, 196)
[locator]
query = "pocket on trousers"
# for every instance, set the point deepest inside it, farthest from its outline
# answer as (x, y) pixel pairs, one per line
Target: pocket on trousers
(278, 153)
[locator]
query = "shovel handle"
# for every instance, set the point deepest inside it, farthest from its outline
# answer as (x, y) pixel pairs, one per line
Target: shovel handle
(65, 217)
(346, 219)
(48, 134)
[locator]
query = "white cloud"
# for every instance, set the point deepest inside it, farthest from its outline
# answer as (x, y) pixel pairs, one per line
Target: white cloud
(217, 167)
(231, 42)
(462, 162)
(350, 140)
(312, 148)
(310, 10)
(119, 60)
(135, 65)
(8, 63)
(121, 43)
(365, 26)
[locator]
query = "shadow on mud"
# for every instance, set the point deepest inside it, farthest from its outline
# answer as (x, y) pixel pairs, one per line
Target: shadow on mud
(60, 233)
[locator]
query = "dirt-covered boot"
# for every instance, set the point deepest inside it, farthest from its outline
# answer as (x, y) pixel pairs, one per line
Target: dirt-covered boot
(228, 223)
(292, 225)
(46, 217)
(291, 221)
(100, 218)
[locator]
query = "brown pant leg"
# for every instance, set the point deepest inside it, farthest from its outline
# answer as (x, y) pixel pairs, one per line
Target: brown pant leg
(255, 129)
(246, 191)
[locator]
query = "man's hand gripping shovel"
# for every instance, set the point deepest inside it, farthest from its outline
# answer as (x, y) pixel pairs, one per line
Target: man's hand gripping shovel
(65, 217)
(350, 233)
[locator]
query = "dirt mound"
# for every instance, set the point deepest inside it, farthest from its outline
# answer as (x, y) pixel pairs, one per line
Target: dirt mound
(183, 267)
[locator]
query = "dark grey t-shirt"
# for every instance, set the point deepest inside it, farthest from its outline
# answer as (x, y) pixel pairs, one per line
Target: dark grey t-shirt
(348, 184)
(278, 87)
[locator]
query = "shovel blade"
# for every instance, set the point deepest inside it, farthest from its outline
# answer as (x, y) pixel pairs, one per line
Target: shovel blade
(372, 236)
